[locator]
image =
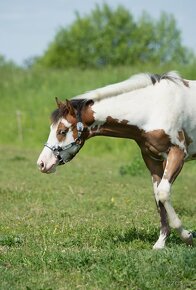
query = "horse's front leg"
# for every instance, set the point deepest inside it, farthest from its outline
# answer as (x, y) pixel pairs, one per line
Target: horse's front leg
(156, 169)
(175, 161)
(165, 229)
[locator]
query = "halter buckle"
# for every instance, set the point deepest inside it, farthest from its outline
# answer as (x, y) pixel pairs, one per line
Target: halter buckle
(80, 126)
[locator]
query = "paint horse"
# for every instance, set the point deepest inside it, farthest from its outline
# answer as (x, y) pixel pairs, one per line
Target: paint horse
(157, 111)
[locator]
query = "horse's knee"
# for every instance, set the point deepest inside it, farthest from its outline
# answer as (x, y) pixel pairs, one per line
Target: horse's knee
(163, 191)
(163, 196)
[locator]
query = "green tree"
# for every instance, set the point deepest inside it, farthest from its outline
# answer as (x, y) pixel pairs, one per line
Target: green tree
(107, 36)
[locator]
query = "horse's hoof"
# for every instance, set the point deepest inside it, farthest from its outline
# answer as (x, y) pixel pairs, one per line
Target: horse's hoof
(189, 240)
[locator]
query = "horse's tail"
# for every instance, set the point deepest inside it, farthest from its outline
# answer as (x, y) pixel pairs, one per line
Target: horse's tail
(135, 82)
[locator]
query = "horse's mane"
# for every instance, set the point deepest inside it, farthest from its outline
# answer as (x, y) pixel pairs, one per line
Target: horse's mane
(172, 76)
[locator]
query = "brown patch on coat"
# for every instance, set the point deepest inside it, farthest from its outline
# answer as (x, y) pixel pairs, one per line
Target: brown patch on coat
(184, 138)
(115, 128)
(187, 138)
(186, 83)
(181, 136)
(155, 143)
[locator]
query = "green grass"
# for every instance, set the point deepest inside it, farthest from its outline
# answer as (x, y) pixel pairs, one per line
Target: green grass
(91, 225)
(88, 226)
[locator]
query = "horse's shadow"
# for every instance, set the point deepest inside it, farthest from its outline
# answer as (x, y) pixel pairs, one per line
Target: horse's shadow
(135, 234)
(148, 235)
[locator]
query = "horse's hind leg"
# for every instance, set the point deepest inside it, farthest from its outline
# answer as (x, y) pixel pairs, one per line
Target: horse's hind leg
(175, 161)
(157, 169)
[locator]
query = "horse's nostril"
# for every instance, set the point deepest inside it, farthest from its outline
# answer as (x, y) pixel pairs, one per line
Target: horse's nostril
(41, 165)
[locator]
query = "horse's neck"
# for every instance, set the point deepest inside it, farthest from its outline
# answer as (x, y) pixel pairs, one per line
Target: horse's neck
(113, 128)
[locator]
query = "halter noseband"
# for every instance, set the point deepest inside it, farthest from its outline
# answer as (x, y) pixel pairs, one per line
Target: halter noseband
(70, 150)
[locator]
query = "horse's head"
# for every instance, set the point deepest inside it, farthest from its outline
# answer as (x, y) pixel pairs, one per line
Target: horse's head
(67, 136)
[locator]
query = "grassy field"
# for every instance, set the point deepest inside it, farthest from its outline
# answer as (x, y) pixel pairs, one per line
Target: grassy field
(88, 226)
(91, 225)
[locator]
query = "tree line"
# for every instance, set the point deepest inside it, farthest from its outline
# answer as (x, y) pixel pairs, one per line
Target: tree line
(113, 37)
(109, 36)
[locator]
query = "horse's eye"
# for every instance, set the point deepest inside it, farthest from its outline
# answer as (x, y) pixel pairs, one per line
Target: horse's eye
(62, 132)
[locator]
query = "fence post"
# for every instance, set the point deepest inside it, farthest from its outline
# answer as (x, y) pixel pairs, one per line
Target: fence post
(19, 125)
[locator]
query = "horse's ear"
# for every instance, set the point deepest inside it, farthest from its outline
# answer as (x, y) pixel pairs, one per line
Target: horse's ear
(89, 102)
(69, 107)
(60, 104)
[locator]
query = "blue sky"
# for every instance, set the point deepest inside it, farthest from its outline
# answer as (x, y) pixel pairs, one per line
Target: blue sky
(27, 27)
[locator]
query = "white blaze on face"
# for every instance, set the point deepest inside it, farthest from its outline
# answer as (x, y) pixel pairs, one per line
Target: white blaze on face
(47, 161)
